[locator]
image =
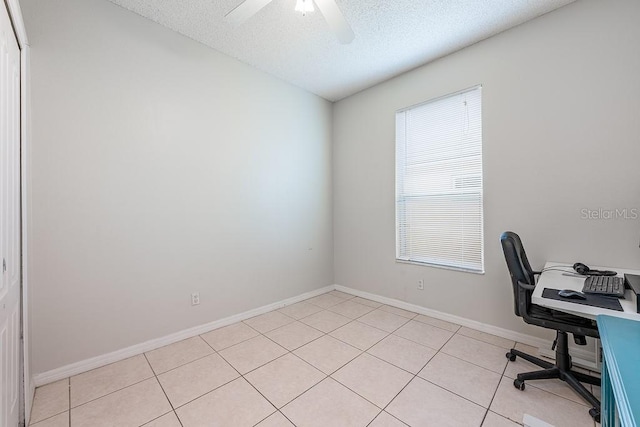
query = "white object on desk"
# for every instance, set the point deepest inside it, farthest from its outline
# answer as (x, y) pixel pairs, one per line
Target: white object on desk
(555, 279)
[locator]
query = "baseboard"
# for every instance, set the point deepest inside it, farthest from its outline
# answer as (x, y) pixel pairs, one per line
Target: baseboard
(29, 402)
(581, 357)
(479, 326)
(105, 359)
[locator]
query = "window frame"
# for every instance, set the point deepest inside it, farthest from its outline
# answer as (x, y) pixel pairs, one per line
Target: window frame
(480, 192)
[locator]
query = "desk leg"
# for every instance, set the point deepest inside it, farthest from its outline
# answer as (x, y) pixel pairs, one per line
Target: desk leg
(608, 410)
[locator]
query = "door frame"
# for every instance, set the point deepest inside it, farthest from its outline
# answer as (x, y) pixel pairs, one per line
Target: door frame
(15, 14)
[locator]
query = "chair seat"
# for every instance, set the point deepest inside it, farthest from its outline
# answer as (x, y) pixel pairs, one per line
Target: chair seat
(542, 316)
(538, 311)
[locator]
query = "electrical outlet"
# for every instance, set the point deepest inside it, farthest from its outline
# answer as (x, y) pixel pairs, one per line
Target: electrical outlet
(421, 284)
(195, 298)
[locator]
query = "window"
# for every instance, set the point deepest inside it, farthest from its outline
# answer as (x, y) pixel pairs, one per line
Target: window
(439, 182)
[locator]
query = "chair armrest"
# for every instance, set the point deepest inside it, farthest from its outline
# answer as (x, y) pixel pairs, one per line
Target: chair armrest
(526, 286)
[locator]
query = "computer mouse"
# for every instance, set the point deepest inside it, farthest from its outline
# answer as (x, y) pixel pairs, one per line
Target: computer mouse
(571, 294)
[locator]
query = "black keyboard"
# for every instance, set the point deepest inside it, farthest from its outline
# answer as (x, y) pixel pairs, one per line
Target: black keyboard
(604, 285)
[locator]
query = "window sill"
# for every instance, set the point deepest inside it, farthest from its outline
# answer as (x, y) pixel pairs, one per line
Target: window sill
(444, 267)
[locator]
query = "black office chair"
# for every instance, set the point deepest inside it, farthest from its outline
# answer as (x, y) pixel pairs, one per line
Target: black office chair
(523, 281)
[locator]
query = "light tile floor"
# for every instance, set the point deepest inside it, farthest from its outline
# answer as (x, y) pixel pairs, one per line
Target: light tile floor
(332, 360)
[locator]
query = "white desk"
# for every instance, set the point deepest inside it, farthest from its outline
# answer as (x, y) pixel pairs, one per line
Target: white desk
(554, 279)
(619, 378)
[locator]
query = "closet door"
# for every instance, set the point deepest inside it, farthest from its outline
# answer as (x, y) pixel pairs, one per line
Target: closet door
(9, 222)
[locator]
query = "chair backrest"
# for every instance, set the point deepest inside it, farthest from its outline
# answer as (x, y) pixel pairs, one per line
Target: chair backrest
(519, 268)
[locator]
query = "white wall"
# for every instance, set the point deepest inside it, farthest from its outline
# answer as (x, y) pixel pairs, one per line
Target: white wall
(161, 167)
(561, 103)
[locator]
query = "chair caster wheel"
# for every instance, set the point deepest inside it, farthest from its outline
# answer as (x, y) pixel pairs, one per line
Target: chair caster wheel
(518, 384)
(595, 414)
(511, 356)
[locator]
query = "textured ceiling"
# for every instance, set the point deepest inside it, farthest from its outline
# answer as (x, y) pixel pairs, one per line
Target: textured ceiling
(392, 36)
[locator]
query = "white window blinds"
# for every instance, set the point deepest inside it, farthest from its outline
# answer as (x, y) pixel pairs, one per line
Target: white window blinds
(439, 182)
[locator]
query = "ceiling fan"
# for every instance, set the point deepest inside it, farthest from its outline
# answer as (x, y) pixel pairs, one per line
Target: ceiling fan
(329, 9)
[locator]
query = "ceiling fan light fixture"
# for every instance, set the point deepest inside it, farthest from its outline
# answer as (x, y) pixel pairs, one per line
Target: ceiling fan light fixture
(304, 6)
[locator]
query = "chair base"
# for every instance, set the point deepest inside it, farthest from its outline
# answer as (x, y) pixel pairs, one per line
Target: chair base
(561, 370)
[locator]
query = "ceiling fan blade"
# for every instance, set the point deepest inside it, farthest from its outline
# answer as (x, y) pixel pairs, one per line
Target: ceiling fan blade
(245, 10)
(336, 21)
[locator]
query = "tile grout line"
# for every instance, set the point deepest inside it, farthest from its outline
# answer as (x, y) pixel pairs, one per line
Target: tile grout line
(249, 382)
(325, 376)
(399, 367)
(150, 365)
(160, 384)
(158, 417)
(290, 351)
(496, 391)
(303, 317)
(239, 376)
(391, 415)
(264, 314)
(203, 394)
(61, 412)
(336, 370)
(408, 382)
(47, 419)
(470, 362)
(504, 376)
(178, 418)
(287, 418)
(366, 351)
(444, 388)
(154, 375)
(304, 361)
(280, 357)
(351, 320)
(173, 410)
(412, 379)
(234, 368)
(157, 374)
(112, 392)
